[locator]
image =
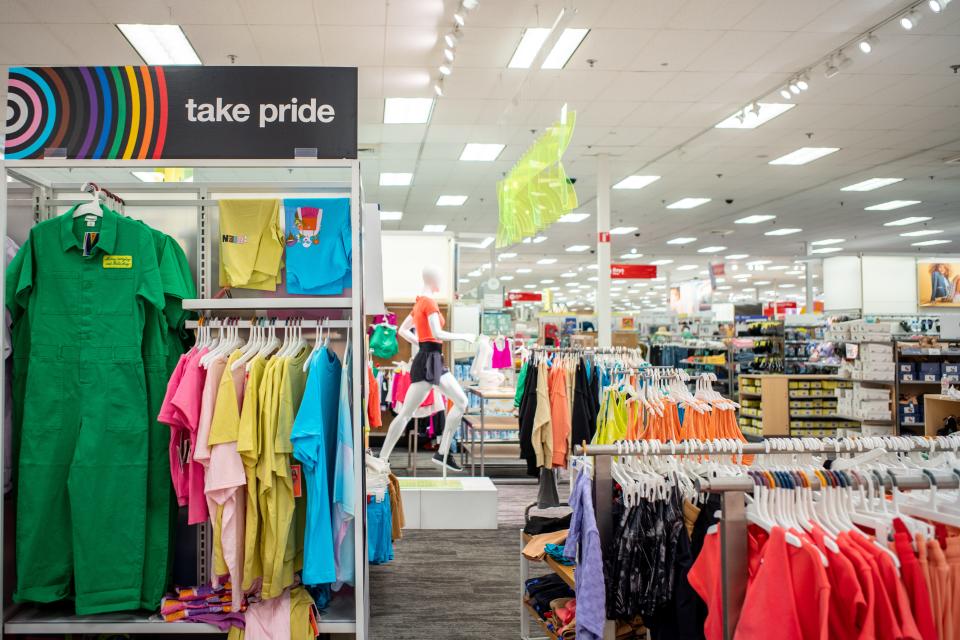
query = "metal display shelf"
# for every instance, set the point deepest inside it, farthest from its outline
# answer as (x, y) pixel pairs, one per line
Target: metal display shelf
(226, 304)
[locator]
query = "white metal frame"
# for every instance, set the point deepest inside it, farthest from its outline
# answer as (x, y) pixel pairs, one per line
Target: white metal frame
(130, 623)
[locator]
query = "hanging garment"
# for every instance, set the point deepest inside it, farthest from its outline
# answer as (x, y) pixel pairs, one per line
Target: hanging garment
(344, 509)
(583, 544)
(542, 435)
(248, 446)
(251, 244)
(583, 422)
(319, 245)
(502, 356)
(379, 524)
(11, 251)
(559, 415)
(82, 286)
(528, 410)
(383, 342)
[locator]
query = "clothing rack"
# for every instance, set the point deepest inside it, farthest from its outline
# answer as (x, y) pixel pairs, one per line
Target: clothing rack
(733, 490)
(216, 323)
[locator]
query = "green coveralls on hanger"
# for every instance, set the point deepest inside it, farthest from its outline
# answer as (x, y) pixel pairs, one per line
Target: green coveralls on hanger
(82, 482)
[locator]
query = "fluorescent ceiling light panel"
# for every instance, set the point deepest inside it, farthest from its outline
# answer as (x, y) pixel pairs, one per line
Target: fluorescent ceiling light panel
(407, 110)
(748, 118)
(574, 217)
(804, 155)
(577, 248)
(476, 273)
(760, 283)
(434, 228)
(828, 241)
(160, 43)
(565, 47)
(893, 204)
(826, 250)
(547, 281)
(754, 219)
(716, 249)
(568, 274)
(635, 182)
(922, 232)
(688, 203)
(529, 286)
(533, 38)
(687, 267)
(481, 152)
(505, 278)
(905, 221)
(785, 231)
(681, 240)
(928, 243)
(524, 270)
(451, 201)
(661, 262)
(737, 256)
(486, 242)
(506, 256)
(391, 215)
(871, 184)
(630, 256)
(395, 179)
(622, 231)
(546, 261)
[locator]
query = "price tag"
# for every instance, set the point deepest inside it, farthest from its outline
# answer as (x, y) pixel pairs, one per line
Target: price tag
(296, 478)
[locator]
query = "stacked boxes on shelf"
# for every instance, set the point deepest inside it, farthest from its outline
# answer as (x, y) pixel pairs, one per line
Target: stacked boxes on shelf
(864, 403)
(910, 410)
(874, 362)
(813, 407)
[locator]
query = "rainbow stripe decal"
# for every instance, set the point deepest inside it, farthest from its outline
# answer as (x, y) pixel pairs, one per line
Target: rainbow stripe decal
(95, 112)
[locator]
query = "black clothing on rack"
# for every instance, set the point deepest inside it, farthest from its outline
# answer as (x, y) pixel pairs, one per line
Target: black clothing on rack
(528, 409)
(586, 404)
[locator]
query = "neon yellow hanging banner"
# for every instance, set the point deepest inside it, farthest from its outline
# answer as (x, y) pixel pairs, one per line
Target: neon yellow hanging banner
(537, 192)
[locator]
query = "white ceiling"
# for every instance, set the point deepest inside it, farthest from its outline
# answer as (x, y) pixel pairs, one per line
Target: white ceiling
(665, 72)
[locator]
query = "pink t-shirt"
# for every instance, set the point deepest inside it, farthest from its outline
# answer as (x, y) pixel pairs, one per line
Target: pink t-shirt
(170, 416)
(188, 399)
(268, 619)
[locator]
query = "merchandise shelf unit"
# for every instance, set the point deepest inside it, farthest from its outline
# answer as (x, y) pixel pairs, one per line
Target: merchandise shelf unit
(790, 405)
(526, 610)
(920, 371)
(188, 212)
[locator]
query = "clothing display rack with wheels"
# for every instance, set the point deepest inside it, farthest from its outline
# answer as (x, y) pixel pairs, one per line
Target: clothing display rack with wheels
(733, 485)
(189, 213)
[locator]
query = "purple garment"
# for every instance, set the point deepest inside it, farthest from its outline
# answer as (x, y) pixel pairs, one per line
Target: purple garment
(585, 538)
(222, 621)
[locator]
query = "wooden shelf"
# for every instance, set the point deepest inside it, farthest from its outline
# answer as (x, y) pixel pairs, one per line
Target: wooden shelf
(501, 393)
(562, 570)
(492, 423)
(536, 616)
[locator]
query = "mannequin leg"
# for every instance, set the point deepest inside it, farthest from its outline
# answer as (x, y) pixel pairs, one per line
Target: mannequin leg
(416, 394)
(452, 390)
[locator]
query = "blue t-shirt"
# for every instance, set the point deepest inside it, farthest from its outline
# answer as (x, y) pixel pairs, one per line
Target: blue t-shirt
(319, 245)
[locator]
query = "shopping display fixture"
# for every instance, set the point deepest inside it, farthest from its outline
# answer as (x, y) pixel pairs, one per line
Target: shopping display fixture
(100, 302)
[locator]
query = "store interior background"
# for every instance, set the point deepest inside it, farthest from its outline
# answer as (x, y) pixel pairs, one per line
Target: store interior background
(649, 83)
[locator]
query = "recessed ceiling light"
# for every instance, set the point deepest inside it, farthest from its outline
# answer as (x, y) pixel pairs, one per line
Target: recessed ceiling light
(547, 281)
(715, 249)
(593, 266)
(635, 182)
(784, 231)
(539, 239)
(505, 278)
(577, 248)
(391, 215)
(661, 261)
(688, 203)
(630, 256)
(434, 228)
(752, 116)
(574, 217)
(804, 155)
(479, 152)
(682, 240)
(786, 285)
(546, 261)
(529, 286)
(754, 219)
(892, 204)
(530, 43)
(407, 110)
(826, 250)
(725, 287)
(483, 244)
(823, 243)
(160, 44)
(905, 221)
(395, 179)
(564, 48)
(921, 232)
(451, 201)
(871, 184)
(568, 274)
(524, 270)
(463, 280)
(507, 255)
(759, 263)
(476, 273)
(687, 267)
(737, 256)
(622, 231)
(761, 283)
(929, 243)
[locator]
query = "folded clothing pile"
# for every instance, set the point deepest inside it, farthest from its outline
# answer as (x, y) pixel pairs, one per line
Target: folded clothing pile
(202, 604)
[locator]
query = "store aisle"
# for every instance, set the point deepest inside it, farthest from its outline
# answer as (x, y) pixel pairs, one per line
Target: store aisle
(453, 584)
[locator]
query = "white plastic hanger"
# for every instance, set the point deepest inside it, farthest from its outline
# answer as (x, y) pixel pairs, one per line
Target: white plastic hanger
(92, 207)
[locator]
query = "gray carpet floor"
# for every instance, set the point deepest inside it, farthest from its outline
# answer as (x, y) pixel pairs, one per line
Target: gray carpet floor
(455, 584)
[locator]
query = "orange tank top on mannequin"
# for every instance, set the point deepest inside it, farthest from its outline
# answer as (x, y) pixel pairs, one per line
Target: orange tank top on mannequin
(422, 309)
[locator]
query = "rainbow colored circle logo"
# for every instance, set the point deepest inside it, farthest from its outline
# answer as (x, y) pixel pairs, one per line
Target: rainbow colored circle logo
(93, 112)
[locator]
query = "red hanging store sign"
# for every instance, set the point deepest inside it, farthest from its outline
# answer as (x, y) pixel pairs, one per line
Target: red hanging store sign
(633, 271)
(521, 296)
(778, 308)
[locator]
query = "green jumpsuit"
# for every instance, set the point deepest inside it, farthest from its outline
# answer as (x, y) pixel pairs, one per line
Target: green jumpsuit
(82, 482)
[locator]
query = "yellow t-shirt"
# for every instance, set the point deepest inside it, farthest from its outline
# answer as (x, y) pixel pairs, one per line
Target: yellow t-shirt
(251, 244)
(248, 445)
(266, 477)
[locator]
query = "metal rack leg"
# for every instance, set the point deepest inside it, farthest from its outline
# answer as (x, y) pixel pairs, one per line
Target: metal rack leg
(733, 538)
(524, 574)
(483, 428)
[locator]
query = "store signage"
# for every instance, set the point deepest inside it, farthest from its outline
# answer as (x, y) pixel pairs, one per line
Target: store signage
(633, 271)
(173, 113)
(603, 236)
(716, 270)
(524, 296)
(778, 308)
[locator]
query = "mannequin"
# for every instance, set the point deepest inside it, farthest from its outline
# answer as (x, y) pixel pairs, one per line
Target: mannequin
(428, 371)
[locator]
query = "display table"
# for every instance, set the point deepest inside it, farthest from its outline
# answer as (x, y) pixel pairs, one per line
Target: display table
(454, 503)
(936, 407)
(484, 394)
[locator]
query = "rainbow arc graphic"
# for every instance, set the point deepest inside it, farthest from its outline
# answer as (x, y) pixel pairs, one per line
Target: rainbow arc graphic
(94, 112)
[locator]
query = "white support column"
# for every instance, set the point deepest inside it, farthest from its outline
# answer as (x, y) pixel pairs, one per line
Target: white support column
(808, 278)
(603, 251)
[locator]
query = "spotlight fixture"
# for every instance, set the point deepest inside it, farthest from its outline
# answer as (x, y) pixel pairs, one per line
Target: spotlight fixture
(445, 70)
(910, 20)
(803, 82)
(448, 54)
(938, 5)
(451, 39)
(830, 69)
(785, 93)
(844, 61)
(794, 88)
(458, 18)
(438, 87)
(867, 44)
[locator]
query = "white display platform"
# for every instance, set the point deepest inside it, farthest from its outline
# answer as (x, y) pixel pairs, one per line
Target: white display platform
(454, 503)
